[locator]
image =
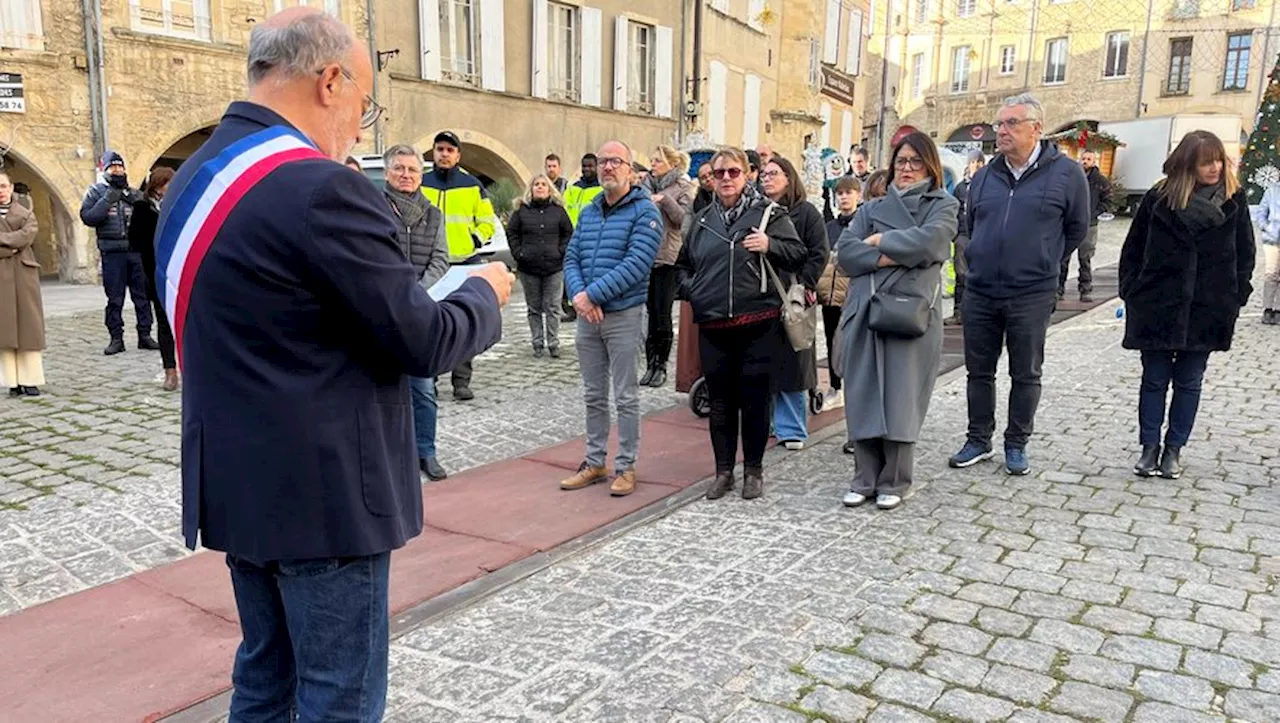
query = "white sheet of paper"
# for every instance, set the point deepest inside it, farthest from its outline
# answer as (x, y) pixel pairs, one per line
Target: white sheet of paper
(450, 282)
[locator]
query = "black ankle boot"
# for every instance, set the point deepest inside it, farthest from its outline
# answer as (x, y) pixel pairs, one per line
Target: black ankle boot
(659, 378)
(721, 486)
(1149, 462)
(1171, 463)
(647, 378)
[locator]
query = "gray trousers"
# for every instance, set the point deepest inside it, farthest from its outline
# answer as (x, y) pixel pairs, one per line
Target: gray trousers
(883, 467)
(542, 300)
(607, 354)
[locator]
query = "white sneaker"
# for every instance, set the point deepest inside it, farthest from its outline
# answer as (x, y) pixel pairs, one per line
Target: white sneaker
(794, 445)
(833, 399)
(853, 499)
(888, 502)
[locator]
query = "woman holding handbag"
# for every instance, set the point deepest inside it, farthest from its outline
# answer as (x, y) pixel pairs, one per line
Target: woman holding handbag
(797, 371)
(740, 332)
(891, 324)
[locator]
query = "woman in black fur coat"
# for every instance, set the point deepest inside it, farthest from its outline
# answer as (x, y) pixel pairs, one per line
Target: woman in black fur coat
(1184, 276)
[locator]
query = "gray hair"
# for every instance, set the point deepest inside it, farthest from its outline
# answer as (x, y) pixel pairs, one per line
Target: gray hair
(399, 149)
(298, 49)
(1035, 111)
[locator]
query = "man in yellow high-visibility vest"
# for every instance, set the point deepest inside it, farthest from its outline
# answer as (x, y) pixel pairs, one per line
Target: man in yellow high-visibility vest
(469, 221)
(577, 197)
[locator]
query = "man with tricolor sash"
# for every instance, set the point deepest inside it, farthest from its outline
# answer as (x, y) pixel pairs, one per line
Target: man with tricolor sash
(297, 319)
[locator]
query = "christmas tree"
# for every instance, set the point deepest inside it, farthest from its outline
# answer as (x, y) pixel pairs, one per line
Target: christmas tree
(1260, 162)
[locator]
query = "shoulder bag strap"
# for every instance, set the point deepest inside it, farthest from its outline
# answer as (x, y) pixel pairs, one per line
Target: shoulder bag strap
(764, 262)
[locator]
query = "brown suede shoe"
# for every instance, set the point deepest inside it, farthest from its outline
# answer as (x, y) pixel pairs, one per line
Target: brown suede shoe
(752, 484)
(624, 484)
(170, 380)
(586, 476)
(722, 485)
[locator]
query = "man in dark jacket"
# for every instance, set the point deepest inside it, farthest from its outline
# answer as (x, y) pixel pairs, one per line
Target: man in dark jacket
(108, 208)
(606, 270)
(976, 161)
(298, 319)
(1099, 198)
(1026, 212)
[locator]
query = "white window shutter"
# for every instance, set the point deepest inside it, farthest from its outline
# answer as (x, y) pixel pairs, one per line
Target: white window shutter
(20, 25)
(620, 58)
(751, 111)
(662, 83)
(824, 113)
(716, 102)
(853, 54)
(592, 44)
(429, 38)
(333, 7)
(831, 41)
(846, 131)
(754, 8)
(493, 51)
(539, 60)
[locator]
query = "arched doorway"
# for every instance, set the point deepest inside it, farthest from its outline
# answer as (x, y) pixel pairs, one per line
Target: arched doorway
(183, 148)
(488, 166)
(55, 240)
(979, 136)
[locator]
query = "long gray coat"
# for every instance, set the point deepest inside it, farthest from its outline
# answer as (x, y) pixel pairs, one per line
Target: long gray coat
(888, 382)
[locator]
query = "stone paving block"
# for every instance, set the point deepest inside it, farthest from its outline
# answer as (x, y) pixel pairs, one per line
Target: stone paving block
(891, 649)
(1252, 705)
(1179, 690)
(1038, 716)
(1219, 668)
(886, 713)
(1094, 592)
(904, 686)
(972, 551)
(762, 713)
(1048, 606)
(1157, 604)
(1145, 581)
(1092, 702)
(1033, 561)
(1068, 637)
(1239, 580)
(1252, 648)
(704, 701)
(988, 594)
(1215, 557)
(1010, 540)
(762, 682)
(945, 608)
(1017, 684)
(1188, 633)
(1022, 653)
(973, 707)
(841, 669)
(1142, 652)
(1035, 581)
(1105, 522)
(1266, 606)
(623, 649)
(1003, 622)
(1181, 570)
(1269, 681)
(465, 685)
(1100, 671)
(956, 668)
(958, 638)
(1088, 571)
(980, 571)
(1213, 595)
(555, 691)
(840, 705)
(1165, 713)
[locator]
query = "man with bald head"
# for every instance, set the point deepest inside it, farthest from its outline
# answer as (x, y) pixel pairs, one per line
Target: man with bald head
(606, 272)
(297, 318)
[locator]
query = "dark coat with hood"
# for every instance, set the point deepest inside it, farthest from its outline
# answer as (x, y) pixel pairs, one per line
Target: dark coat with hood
(1184, 275)
(798, 372)
(539, 233)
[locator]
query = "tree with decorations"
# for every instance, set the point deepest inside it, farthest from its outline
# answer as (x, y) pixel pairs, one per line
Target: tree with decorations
(1260, 162)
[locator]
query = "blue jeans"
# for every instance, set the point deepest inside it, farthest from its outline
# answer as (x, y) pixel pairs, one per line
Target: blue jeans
(425, 410)
(1185, 369)
(790, 416)
(315, 640)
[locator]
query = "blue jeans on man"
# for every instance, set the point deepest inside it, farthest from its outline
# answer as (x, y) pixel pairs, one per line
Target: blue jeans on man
(315, 639)
(425, 411)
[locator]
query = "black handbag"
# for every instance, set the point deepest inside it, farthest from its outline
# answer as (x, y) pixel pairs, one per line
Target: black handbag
(898, 314)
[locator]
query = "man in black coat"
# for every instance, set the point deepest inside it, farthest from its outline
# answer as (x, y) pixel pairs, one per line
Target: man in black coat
(1099, 199)
(305, 321)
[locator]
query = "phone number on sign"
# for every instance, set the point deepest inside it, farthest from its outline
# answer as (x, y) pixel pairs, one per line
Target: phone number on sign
(12, 105)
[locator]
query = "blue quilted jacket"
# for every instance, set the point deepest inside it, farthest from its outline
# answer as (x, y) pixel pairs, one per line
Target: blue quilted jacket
(612, 251)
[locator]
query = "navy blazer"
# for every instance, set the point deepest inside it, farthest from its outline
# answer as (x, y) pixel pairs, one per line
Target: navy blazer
(304, 319)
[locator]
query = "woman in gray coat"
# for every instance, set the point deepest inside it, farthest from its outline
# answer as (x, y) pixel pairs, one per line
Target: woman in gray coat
(895, 244)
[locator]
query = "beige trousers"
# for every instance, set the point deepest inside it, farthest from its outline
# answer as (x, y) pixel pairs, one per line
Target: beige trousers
(21, 368)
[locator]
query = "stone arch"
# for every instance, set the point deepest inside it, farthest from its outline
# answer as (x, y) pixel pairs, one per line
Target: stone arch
(484, 156)
(189, 125)
(181, 146)
(56, 242)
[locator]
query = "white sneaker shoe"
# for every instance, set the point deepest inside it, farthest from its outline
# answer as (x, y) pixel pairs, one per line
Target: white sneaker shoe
(833, 399)
(888, 502)
(794, 445)
(853, 499)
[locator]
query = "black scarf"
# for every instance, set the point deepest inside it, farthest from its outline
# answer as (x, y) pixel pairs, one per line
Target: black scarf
(1204, 210)
(411, 207)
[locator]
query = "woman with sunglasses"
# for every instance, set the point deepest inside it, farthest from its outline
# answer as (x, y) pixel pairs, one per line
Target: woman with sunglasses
(740, 335)
(896, 246)
(797, 372)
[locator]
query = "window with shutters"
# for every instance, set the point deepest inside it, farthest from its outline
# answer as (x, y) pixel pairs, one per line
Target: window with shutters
(459, 39)
(815, 63)
(1178, 82)
(20, 25)
(1008, 58)
(1055, 61)
(922, 12)
(1117, 65)
(755, 8)
(640, 81)
(966, 8)
(177, 18)
(333, 7)
(564, 52)
(750, 111)
(853, 51)
(960, 59)
(917, 76)
(831, 34)
(717, 105)
(1236, 73)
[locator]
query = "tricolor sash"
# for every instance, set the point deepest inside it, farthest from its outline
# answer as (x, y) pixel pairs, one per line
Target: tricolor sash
(198, 212)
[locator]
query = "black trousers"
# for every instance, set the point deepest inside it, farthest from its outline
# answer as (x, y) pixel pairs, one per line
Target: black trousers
(662, 294)
(830, 320)
(164, 335)
(737, 364)
(1086, 251)
(989, 325)
(961, 267)
(121, 271)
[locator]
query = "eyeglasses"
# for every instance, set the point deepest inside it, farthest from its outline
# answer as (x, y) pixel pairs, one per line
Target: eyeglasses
(905, 163)
(769, 174)
(1009, 123)
(606, 162)
(370, 110)
(723, 173)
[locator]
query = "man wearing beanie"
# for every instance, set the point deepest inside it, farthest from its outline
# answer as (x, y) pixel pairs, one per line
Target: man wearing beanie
(469, 221)
(107, 209)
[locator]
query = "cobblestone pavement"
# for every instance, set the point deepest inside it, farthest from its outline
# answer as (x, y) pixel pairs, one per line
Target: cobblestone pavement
(1079, 592)
(89, 490)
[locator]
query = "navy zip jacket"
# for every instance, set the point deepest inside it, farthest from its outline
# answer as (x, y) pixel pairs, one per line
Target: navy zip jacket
(304, 319)
(1021, 230)
(612, 250)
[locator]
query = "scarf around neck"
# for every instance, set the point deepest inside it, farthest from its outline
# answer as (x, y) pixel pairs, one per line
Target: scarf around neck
(912, 196)
(660, 184)
(411, 207)
(750, 194)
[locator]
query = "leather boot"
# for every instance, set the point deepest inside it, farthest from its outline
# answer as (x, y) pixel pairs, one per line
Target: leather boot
(647, 377)
(1149, 462)
(115, 347)
(659, 378)
(723, 483)
(1171, 463)
(146, 343)
(170, 380)
(752, 483)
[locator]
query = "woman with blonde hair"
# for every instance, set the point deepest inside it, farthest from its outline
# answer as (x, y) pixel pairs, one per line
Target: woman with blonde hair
(538, 232)
(1185, 272)
(673, 192)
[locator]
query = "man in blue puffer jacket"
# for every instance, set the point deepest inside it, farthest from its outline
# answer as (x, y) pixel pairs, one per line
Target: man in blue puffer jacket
(606, 272)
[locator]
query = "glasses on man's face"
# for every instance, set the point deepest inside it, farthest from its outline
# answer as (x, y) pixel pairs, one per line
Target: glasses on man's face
(610, 162)
(723, 173)
(370, 110)
(913, 163)
(1009, 123)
